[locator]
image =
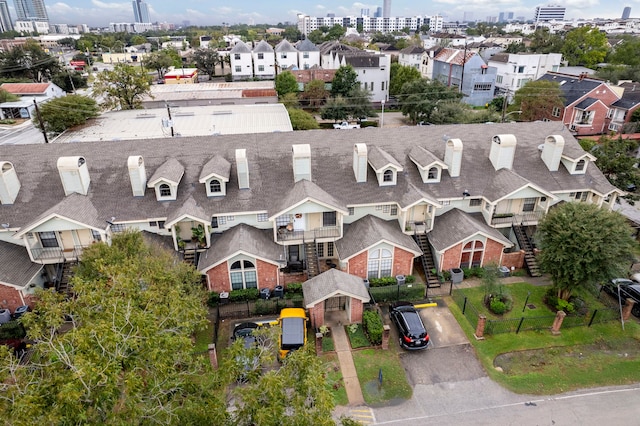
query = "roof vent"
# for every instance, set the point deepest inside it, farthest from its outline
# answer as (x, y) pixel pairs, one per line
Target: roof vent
(74, 175)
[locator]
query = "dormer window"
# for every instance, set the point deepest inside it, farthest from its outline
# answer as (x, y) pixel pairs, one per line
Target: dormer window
(165, 190)
(214, 186)
(580, 165)
(433, 173)
(387, 176)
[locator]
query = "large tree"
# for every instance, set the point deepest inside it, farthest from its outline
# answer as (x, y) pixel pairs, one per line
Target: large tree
(62, 113)
(399, 75)
(617, 162)
(286, 83)
(537, 100)
(583, 245)
(126, 356)
(344, 81)
(421, 100)
(123, 87)
(585, 46)
(315, 93)
(302, 120)
(206, 60)
(159, 61)
(28, 61)
(359, 103)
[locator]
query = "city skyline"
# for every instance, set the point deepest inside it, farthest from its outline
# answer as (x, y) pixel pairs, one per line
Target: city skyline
(202, 12)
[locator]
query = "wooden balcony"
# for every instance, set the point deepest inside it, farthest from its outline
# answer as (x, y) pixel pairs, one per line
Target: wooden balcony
(308, 236)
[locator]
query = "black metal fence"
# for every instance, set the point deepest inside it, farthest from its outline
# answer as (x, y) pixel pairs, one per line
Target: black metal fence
(516, 325)
(393, 293)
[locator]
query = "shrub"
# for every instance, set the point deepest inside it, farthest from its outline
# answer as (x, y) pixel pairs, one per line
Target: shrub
(244, 294)
(12, 330)
(373, 326)
(552, 300)
(294, 288)
(497, 306)
(410, 279)
(213, 299)
(265, 307)
(382, 282)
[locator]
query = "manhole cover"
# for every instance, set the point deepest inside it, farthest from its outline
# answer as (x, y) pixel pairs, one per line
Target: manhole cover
(531, 306)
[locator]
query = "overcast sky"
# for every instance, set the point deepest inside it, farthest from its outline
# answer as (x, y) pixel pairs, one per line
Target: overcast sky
(215, 12)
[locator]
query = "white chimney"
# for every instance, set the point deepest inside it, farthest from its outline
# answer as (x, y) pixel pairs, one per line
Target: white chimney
(74, 175)
(453, 156)
(137, 175)
(503, 151)
(242, 164)
(552, 152)
(9, 183)
(360, 162)
(301, 162)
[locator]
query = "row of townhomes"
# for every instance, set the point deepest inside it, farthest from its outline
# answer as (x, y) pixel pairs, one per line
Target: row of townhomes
(276, 208)
(265, 62)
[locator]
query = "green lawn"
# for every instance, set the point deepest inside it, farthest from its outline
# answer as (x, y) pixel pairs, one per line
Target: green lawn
(518, 292)
(394, 385)
(327, 344)
(203, 338)
(334, 379)
(536, 362)
(358, 339)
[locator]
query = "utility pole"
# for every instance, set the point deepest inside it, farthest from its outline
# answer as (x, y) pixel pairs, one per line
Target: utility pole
(44, 131)
(169, 114)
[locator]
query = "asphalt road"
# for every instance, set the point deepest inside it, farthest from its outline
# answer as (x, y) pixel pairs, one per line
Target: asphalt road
(451, 388)
(25, 134)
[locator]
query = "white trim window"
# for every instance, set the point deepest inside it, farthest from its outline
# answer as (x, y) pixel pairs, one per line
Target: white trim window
(243, 274)
(380, 263)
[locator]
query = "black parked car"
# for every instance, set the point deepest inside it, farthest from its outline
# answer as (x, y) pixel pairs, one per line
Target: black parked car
(244, 331)
(628, 290)
(412, 333)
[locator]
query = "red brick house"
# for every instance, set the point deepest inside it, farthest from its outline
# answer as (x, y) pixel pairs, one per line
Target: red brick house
(587, 103)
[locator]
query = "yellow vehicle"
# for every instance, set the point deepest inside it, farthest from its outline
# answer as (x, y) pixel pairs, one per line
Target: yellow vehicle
(293, 331)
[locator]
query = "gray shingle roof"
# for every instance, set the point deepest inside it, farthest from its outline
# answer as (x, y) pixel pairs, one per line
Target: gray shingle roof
(370, 230)
(455, 226)
(191, 209)
(304, 189)
(586, 103)
(171, 170)
(379, 158)
(333, 282)
(413, 50)
(240, 47)
(271, 171)
(573, 88)
(218, 166)
(307, 45)
(285, 46)
(17, 269)
(263, 47)
(240, 238)
(75, 207)
(422, 157)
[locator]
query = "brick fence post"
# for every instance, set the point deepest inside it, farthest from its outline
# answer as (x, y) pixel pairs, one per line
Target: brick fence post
(319, 343)
(557, 322)
(385, 336)
(213, 356)
(626, 309)
(482, 321)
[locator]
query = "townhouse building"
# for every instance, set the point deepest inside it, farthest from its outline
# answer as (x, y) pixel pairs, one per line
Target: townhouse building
(411, 56)
(275, 208)
(514, 70)
(622, 110)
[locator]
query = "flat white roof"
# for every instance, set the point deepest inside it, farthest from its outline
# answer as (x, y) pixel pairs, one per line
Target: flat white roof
(187, 121)
(177, 92)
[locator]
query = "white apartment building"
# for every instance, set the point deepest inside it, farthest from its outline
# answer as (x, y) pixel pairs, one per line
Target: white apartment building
(264, 61)
(241, 62)
(286, 55)
(308, 54)
(307, 24)
(514, 70)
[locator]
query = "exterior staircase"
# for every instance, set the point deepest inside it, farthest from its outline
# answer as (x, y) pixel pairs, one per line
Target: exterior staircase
(527, 246)
(190, 256)
(63, 276)
(311, 254)
(427, 260)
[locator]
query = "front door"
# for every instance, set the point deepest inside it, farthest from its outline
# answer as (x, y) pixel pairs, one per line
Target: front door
(67, 240)
(337, 303)
(299, 222)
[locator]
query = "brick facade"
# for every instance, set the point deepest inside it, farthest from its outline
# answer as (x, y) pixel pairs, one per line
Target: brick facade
(316, 315)
(358, 265)
(10, 298)
(492, 254)
(218, 276)
(356, 310)
(515, 259)
(402, 262)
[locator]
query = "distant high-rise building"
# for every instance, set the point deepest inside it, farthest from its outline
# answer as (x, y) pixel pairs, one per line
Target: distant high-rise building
(510, 15)
(364, 12)
(5, 19)
(501, 17)
(468, 17)
(140, 11)
(626, 13)
(386, 9)
(378, 13)
(31, 10)
(549, 13)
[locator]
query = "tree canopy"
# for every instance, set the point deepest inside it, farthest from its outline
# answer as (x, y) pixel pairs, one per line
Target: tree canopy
(315, 93)
(583, 245)
(206, 60)
(302, 120)
(123, 87)
(28, 61)
(159, 61)
(424, 100)
(617, 162)
(286, 83)
(537, 100)
(127, 355)
(344, 81)
(585, 46)
(399, 75)
(62, 113)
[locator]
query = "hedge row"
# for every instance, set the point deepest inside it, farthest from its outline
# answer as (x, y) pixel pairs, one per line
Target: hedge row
(387, 281)
(372, 323)
(293, 290)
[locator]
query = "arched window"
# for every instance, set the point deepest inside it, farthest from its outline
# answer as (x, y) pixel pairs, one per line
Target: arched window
(214, 186)
(243, 275)
(165, 190)
(379, 264)
(472, 254)
(433, 173)
(580, 165)
(387, 176)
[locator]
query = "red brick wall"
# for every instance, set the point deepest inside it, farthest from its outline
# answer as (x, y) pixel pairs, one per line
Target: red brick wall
(218, 276)
(600, 120)
(358, 265)
(402, 262)
(316, 315)
(451, 258)
(10, 298)
(356, 310)
(515, 259)
(492, 254)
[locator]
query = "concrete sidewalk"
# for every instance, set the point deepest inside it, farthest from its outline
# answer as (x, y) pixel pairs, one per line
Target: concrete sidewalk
(336, 321)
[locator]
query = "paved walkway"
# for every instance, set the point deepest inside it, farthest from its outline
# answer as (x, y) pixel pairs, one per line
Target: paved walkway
(343, 349)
